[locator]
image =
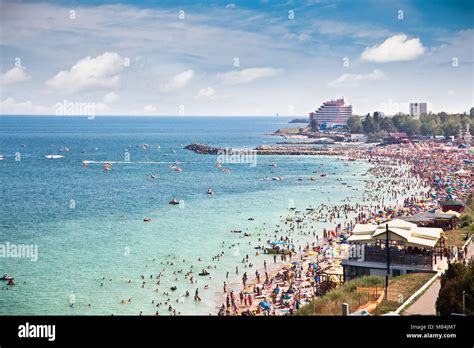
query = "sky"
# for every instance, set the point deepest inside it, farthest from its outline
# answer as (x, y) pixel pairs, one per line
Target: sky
(234, 58)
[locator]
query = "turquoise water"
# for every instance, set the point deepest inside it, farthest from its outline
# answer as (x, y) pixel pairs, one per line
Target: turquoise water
(104, 235)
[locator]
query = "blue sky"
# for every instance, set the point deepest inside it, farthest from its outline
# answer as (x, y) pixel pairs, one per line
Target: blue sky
(147, 57)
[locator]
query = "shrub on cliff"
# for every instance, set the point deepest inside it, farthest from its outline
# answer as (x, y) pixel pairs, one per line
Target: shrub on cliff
(454, 281)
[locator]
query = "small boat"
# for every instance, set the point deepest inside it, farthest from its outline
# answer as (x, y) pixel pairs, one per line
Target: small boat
(209, 191)
(204, 273)
(174, 201)
(147, 219)
(251, 219)
(277, 178)
(236, 231)
(53, 156)
(274, 165)
(6, 277)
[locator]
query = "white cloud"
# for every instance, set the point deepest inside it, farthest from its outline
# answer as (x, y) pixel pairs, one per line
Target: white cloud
(101, 72)
(10, 107)
(206, 93)
(395, 48)
(149, 108)
(246, 75)
(354, 80)
(178, 82)
(111, 98)
(14, 75)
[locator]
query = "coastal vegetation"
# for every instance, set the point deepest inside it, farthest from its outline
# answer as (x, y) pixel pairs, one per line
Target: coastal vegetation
(457, 279)
(400, 288)
(466, 220)
(427, 125)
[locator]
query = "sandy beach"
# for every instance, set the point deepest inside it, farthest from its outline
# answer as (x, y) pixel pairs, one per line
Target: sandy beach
(407, 179)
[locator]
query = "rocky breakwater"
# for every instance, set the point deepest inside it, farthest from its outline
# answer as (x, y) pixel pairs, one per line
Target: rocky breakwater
(205, 149)
(297, 150)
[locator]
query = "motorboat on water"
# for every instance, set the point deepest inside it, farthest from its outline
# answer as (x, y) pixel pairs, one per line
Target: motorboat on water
(147, 219)
(236, 231)
(209, 191)
(6, 277)
(174, 201)
(53, 156)
(277, 178)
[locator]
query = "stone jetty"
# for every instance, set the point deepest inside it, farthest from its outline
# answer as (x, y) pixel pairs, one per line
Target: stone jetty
(205, 149)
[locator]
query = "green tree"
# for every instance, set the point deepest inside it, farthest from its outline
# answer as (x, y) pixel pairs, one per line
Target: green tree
(355, 124)
(370, 125)
(454, 281)
(451, 128)
(412, 127)
(387, 125)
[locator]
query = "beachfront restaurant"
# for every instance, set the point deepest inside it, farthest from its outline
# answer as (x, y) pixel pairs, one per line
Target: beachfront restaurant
(446, 220)
(411, 249)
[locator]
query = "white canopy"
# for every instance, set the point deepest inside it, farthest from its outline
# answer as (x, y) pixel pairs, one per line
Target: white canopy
(398, 230)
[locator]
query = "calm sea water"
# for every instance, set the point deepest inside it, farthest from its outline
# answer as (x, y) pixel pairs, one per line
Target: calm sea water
(88, 223)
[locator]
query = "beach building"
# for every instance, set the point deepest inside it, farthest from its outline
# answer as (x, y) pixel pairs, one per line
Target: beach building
(445, 220)
(357, 137)
(411, 249)
(395, 138)
(453, 205)
(332, 114)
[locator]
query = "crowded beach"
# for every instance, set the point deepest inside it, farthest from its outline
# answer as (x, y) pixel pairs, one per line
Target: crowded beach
(407, 179)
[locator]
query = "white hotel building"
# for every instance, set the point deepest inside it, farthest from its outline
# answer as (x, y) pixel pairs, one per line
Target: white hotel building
(331, 114)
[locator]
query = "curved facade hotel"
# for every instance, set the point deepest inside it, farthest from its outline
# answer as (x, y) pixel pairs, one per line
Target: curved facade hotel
(331, 113)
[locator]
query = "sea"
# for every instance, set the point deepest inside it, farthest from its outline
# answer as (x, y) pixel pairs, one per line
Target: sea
(87, 223)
